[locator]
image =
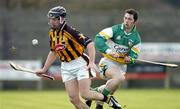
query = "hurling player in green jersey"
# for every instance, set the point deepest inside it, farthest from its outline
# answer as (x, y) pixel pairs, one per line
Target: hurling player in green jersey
(119, 45)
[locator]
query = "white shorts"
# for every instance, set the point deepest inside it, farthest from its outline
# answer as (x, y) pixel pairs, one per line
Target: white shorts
(75, 69)
(106, 63)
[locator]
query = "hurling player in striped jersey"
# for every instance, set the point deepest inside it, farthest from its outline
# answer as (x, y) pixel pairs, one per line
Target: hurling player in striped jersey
(69, 45)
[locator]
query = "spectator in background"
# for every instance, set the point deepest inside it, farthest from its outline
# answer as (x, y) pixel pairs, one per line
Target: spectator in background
(69, 45)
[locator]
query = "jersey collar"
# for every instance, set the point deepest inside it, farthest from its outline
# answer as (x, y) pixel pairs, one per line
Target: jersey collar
(123, 28)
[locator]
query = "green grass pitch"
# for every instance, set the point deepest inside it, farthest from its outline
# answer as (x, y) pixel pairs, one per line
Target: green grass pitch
(133, 98)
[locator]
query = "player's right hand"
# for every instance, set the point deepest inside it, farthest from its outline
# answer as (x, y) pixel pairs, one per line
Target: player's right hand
(112, 53)
(39, 72)
(115, 55)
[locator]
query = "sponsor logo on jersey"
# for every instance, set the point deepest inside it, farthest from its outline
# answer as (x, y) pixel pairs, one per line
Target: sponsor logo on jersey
(121, 49)
(60, 47)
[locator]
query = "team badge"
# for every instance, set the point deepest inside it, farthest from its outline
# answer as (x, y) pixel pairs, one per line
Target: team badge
(118, 37)
(130, 43)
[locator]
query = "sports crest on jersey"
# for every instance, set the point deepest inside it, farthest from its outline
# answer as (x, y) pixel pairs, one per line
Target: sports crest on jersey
(118, 37)
(130, 43)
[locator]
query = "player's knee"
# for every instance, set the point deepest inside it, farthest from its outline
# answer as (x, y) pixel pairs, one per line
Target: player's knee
(120, 78)
(74, 99)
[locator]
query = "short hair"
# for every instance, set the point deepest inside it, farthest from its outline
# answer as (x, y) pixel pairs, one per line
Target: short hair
(133, 12)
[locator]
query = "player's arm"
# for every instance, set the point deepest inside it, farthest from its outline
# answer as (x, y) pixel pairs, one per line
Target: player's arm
(79, 37)
(100, 42)
(50, 59)
(92, 53)
(51, 56)
(89, 45)
(101, 38)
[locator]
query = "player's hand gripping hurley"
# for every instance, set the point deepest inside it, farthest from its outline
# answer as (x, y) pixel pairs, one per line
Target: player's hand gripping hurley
(20, 68)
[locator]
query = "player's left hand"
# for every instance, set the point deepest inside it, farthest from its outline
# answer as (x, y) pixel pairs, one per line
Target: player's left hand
(128, 59)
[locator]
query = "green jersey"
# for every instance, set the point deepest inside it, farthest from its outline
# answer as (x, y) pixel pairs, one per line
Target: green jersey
(118, 40)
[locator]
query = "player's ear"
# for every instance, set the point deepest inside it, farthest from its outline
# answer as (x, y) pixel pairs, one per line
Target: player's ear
(136, 22)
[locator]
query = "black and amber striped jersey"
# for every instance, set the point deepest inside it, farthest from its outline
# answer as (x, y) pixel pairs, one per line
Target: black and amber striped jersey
(67, 42)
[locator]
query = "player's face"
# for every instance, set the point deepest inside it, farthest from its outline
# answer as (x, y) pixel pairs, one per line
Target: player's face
(129, 20)
(54, 22)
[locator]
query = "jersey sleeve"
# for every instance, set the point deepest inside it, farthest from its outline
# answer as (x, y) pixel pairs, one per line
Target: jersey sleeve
(135, 49)
(101, 38)
(79, 37)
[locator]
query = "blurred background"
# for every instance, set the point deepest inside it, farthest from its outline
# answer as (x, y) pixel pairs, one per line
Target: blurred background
(21, 21)
(25, 20)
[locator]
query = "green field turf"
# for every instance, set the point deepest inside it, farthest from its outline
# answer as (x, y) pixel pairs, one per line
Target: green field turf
(134, 99)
